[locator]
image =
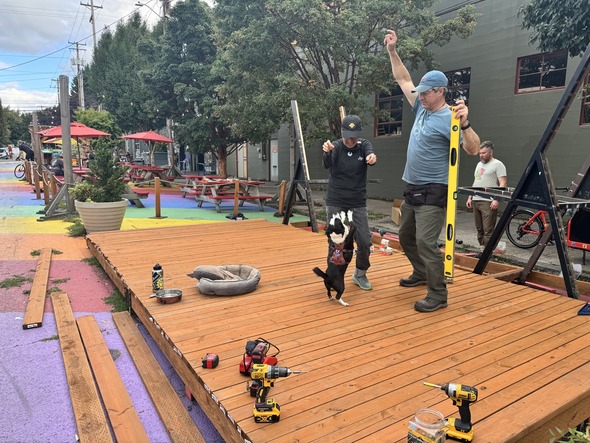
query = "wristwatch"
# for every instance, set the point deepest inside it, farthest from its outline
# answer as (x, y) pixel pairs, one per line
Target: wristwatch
(467, 126)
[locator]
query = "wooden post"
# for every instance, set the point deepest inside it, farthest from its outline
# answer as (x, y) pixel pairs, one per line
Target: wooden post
(44, 179)
(52, 184)
(35, 173)
(236, 194)
(282, 191)
(157, 197)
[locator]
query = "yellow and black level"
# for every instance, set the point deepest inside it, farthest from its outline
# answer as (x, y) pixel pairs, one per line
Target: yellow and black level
(452, 196)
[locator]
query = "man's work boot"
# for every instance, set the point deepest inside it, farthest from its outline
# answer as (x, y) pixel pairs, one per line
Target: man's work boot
(429, 304)
(360, 278)
(412, 281)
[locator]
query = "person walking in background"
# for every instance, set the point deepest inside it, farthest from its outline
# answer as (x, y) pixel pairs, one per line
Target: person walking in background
(347, 159)
(426, 174)
(489, 172)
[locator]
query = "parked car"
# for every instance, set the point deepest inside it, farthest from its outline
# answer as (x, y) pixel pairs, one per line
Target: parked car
(3, 153)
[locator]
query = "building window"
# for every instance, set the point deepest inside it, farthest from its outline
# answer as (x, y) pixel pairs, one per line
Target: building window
(390, 106)
(585, 116)
(541, 72)
(459, 82)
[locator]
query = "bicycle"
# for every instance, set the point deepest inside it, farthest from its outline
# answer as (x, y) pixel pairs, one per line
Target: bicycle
(19, 170)
(525, 227)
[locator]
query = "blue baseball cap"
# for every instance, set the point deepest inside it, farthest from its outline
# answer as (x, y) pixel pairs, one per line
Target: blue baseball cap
(432, 79)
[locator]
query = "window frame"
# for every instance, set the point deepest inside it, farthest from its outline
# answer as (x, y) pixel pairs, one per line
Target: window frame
(585, 101)
(452, 87)
(391, 98)
(540, 88)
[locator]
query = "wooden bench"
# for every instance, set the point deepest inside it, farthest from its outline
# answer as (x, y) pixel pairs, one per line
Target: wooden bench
(260, 199)
(193, 192)
(134, 196)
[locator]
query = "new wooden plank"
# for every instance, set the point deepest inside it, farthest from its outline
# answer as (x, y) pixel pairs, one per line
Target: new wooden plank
(178, 423)
(36, 306)
(124, 420)
(367, 362)
(90, 418)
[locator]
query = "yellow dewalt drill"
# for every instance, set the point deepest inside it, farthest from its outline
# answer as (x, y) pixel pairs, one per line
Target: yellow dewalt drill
(462, 396)
(263, 378)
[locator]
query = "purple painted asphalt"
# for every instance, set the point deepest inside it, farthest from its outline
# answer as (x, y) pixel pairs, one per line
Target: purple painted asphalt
(34, 392)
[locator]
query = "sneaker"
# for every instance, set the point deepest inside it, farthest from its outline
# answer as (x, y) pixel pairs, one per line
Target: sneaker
(362, 282)
(412, 281)
(429, 304)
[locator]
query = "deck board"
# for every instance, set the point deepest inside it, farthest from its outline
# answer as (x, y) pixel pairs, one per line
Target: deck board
(366, 362)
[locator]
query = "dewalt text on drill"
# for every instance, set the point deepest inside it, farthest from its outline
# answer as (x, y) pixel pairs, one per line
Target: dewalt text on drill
(257, 353)
(267, 410)
(462, 396)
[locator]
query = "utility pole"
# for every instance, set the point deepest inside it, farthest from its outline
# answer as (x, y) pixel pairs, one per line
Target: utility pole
(92, 20)
(78, 62)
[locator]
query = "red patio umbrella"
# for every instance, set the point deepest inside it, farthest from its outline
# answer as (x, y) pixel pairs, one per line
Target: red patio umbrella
(148, 136)
(151, 136)
(77, 131)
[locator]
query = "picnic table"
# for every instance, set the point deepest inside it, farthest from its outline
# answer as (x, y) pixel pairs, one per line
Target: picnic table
(142, 173)
(217, 190)
(192, 180)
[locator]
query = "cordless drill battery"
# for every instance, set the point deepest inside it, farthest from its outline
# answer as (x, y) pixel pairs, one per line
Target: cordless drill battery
(210, 361)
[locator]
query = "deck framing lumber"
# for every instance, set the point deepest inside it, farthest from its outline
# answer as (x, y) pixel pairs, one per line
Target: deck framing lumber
(122, 414)
(176, 419)
(36, 306)
(91, 420)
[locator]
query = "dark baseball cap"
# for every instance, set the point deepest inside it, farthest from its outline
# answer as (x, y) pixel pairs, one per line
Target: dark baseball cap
(432, 79)
(351, 126)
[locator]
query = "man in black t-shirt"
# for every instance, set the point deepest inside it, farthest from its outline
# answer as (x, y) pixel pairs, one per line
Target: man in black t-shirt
(347, 159)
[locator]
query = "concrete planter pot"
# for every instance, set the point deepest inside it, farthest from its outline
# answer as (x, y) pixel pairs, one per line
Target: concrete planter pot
(98, 217)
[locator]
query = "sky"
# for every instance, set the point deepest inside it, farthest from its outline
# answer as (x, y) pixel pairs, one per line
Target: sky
(37, 43)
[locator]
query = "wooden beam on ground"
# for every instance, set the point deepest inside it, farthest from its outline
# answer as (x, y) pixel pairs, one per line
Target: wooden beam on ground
(177, 421)
(509, 275)
(36, 306)
(90, 417)
(122, 414)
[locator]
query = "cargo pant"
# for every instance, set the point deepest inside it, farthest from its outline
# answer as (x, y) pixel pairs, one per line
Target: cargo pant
(418, 235)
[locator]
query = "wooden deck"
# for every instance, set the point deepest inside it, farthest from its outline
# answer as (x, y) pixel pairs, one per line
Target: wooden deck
(525, 350)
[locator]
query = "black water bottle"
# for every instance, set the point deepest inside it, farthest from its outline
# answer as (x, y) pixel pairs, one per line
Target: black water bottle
(157, 277)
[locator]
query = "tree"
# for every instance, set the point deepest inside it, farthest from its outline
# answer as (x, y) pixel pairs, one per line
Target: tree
(16, 126)
(322, 53)
(4, 130)
(184, 85)
(558, 24)
(114, 78)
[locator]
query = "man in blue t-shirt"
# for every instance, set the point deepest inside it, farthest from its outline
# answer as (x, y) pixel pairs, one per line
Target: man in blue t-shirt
(426, 175)
(347, 159)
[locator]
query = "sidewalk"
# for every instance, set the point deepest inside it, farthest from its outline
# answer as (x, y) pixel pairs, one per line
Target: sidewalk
(380, 218)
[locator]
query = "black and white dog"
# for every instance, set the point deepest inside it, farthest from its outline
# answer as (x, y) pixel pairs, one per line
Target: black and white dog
(340, 233)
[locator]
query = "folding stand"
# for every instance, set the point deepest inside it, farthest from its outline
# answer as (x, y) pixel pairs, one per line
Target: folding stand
(536, 190)
(301, 177)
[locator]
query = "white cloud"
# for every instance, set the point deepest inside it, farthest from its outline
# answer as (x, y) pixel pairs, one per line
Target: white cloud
(26, 100)
(30, 29)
